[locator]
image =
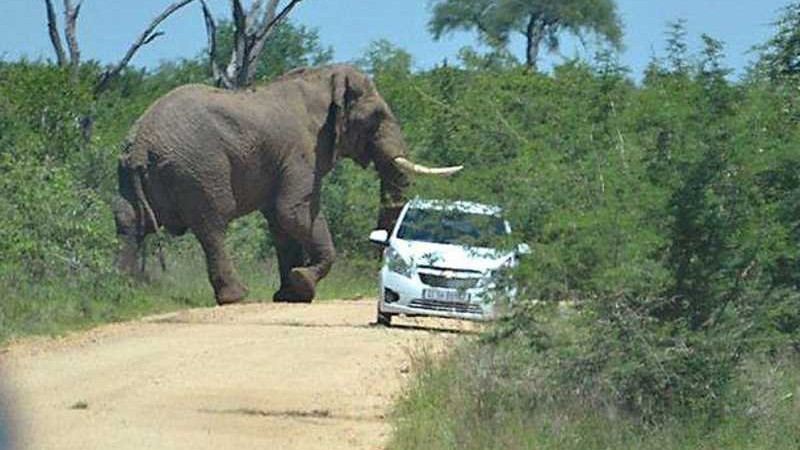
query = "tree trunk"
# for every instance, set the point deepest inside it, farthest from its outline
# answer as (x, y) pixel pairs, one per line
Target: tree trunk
(533, 35)
(251, 31)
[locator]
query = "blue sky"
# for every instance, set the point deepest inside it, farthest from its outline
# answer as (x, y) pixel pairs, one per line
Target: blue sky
(107, 27)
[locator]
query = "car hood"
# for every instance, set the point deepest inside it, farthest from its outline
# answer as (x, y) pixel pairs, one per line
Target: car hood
(448, 256)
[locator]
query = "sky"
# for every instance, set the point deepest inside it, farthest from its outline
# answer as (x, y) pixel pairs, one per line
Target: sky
(107, 28)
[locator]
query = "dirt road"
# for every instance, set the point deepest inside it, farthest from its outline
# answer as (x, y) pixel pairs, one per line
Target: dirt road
(265, 376)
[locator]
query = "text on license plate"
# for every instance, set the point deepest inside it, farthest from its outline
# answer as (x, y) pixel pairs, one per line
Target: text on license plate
(443, 294)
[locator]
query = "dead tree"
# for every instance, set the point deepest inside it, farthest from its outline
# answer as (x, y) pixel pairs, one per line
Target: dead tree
(73, 59)
(252, 29)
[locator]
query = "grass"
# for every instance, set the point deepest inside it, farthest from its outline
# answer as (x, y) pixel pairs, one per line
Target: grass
(482, 397)
(70, 303)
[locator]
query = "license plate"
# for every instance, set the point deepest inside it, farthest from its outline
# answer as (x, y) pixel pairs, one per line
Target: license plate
(443, 294)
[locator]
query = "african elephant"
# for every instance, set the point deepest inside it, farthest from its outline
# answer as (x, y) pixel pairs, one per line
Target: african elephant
(200, 157)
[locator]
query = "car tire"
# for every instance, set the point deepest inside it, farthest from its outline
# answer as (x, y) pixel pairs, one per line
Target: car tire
(384, 319)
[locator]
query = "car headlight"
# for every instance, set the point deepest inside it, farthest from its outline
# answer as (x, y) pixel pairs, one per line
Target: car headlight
(396, 263)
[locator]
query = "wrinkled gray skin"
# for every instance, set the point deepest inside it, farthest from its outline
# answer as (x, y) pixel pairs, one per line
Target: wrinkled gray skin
(201, 157)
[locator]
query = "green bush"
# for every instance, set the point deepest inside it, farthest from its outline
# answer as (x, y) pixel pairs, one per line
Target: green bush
(665, 213)
(507, 397)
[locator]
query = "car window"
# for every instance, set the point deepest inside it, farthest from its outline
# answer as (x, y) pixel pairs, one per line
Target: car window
(450, 226)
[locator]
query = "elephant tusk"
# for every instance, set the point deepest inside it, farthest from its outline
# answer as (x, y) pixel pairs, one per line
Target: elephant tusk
(419, 169)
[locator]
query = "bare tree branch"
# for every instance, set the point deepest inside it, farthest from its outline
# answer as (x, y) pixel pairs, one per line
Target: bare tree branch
(147, 36)
(270, 22)
(258, 43)
(277, 19)
(250, 35)
(269, 13)
(264, 23)
(70, 27)
(55, 38)
(239, 17)
(211, 30)
(240, 44)
(253, 13)
(153, 37)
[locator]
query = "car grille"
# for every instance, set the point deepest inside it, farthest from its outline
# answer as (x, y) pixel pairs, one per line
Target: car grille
(445, 282)
(438, 305)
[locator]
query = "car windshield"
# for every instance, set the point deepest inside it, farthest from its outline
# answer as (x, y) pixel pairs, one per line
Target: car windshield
(451, 226)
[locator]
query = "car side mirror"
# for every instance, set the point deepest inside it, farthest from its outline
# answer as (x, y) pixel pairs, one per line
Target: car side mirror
(523, 249)
(380, 237)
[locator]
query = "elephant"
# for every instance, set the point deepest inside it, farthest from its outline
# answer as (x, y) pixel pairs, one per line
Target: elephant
(200, 157)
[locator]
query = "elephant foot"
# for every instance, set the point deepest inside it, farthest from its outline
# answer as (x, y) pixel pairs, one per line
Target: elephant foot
(303, 284)
(231, 294)
(285, 295)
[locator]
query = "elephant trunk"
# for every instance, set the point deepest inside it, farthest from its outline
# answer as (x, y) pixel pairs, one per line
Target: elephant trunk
(128, 256)
(394, 183)
(390, 145)
(129, 235)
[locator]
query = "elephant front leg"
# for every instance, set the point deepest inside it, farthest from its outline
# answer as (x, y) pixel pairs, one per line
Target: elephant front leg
(227, 289)
(310, 229)
(321, 253)
(289, 253)
(297, 211)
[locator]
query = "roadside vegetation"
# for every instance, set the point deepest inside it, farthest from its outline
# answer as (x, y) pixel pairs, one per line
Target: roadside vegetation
(659, 306)
(660, 302)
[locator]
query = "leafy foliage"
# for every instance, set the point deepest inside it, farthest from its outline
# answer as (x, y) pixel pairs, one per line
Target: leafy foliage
(666, 212)
(781, 54)
(540, 22)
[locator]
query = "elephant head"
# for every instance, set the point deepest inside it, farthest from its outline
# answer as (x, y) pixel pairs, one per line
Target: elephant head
(367, 132)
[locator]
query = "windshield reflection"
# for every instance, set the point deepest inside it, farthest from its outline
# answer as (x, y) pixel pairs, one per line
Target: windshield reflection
(451, 226)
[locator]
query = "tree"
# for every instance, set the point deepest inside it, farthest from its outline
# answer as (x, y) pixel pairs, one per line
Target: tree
(291, 45)
(384, 57)
(251, 31)
(541, 22)
(780, 59)
(71, 13)
(73, 60)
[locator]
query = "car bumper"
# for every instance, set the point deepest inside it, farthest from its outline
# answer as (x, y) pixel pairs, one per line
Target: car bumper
(403, 295)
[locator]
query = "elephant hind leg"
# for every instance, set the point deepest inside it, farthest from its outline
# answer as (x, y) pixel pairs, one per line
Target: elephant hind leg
(227, 289)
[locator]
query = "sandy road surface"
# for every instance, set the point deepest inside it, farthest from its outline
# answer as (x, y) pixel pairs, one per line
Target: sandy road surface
(262, 376)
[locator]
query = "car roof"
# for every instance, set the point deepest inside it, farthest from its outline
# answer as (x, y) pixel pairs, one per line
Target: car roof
(459, 205)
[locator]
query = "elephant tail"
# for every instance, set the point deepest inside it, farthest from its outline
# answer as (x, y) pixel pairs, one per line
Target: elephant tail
(148, 214)
(141, 199)
(135, 167)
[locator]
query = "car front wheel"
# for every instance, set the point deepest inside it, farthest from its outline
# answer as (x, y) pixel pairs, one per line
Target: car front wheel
(384, 319)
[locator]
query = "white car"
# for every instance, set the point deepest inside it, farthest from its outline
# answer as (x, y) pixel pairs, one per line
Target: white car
(442, 259)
